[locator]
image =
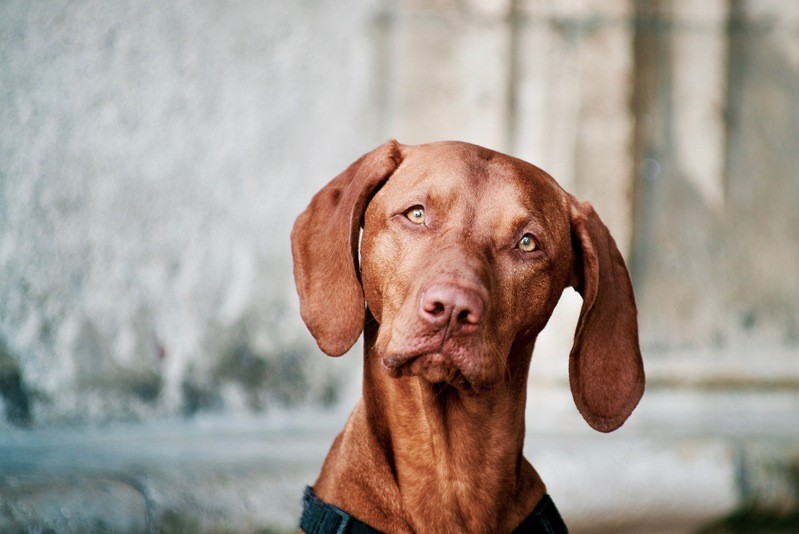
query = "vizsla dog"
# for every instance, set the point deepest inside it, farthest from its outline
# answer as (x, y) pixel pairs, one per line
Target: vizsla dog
(463, 256)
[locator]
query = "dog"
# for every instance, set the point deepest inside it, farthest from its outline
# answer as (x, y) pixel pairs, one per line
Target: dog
(463, 255)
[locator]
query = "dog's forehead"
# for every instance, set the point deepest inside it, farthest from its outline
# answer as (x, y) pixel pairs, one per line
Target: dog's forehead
(463, 172)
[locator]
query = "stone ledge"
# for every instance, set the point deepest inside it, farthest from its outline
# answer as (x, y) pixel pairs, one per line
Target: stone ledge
(247, 474)
(73, 502)
(748, 368)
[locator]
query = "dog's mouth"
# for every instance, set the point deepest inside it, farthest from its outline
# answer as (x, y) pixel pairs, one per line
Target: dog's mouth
(436, 367)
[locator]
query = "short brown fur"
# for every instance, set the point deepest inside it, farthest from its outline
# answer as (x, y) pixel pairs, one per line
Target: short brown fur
(435, 444)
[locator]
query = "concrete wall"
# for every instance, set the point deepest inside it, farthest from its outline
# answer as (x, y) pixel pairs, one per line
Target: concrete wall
(716, 245)
(153, 157)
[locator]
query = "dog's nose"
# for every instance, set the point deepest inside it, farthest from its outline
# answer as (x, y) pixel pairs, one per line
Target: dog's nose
(457, 307)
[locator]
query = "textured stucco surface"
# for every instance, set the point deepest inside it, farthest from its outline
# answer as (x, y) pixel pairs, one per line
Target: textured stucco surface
(715, 255)
(152, 159)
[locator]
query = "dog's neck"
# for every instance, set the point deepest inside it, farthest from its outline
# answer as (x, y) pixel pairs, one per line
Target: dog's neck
(452, 459)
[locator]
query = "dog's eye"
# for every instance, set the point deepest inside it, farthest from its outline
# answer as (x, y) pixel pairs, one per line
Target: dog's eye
(415, 214)
(527, 243)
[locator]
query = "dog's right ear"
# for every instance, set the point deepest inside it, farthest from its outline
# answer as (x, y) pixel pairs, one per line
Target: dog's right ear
(605, 367)
(324, 244)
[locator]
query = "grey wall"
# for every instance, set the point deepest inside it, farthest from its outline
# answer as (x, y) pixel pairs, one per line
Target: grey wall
(153, 157)
(716, 252)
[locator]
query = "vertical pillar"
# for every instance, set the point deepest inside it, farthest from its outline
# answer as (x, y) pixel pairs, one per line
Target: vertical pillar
(451, 72)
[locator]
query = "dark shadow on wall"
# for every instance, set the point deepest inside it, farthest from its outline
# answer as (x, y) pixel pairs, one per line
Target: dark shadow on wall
(755, 522)
(16, 398)
(280, 377)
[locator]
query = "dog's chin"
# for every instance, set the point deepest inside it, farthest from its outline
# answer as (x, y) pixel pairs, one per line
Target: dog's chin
(438, 369)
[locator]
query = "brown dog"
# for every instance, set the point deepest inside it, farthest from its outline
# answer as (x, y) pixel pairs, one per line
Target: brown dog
(464, 254)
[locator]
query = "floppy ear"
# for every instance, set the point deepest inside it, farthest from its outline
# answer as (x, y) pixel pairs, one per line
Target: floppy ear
(324, 244)
(606, 372)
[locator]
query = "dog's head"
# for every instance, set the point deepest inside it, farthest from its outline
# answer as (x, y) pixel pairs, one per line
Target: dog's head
(465, 252)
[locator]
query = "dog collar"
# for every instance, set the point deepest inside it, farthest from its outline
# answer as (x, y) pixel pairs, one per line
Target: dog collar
(319, 517)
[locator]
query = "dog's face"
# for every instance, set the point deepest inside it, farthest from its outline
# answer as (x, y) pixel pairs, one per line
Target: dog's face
(463, 251)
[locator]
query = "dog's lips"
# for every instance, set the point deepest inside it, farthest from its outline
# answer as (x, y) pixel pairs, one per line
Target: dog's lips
(397, 358)
(393, 362)
(396, 363)
(435, 366)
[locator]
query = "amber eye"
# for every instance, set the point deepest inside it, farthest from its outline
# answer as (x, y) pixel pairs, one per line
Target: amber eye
(527, 243)
(415, 214)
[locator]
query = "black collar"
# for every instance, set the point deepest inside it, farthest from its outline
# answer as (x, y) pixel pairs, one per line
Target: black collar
(322, 518)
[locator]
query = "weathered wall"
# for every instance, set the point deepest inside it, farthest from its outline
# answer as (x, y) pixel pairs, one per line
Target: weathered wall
(717, 242)
(677, 120)
(153, 157)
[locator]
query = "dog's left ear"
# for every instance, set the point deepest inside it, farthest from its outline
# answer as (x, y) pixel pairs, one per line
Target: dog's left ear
(606, 371)
(324, 244)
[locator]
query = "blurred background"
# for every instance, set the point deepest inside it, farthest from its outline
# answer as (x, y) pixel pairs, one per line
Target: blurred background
(154, 372)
